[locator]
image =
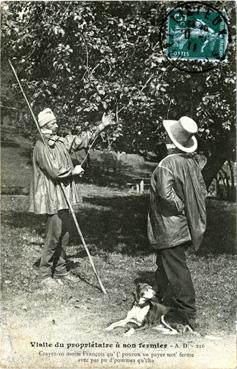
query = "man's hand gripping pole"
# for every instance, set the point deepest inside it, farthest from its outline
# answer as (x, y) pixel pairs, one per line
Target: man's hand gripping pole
(61, 184)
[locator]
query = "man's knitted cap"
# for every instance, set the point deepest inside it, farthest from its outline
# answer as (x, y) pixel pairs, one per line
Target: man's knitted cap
(46, 116)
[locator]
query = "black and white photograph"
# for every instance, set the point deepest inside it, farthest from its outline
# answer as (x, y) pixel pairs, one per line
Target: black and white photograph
(118, 184)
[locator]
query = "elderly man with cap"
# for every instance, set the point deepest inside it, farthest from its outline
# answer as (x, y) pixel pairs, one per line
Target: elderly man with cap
(177, 218)
(52, 165)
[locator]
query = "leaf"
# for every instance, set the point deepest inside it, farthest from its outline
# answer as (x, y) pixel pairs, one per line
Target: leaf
(105, 106)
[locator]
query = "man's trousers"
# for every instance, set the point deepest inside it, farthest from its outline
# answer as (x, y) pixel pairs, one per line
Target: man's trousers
(53, 259)
(174, 282)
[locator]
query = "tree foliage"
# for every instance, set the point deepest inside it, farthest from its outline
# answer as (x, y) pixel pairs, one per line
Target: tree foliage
(84, 58)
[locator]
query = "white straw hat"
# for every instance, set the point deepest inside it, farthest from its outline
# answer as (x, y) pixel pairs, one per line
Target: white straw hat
(181, 132)
(46, 116)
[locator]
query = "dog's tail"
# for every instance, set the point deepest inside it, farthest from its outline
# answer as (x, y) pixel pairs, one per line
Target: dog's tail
(172, 330)
(186, 328)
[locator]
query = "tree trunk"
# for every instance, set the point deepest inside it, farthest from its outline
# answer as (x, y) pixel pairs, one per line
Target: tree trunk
(232, 178)
(212, 167)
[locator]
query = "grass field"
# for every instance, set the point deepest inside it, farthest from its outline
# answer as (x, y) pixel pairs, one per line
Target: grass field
(113, 222)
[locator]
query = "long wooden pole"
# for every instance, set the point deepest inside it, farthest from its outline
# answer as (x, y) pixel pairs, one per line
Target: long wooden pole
(61, 184)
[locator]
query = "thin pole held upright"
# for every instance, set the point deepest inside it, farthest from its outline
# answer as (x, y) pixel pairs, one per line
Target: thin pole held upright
(61, 184)
(83, 240)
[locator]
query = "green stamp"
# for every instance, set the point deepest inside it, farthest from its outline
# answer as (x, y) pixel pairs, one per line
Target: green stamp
(196, 31)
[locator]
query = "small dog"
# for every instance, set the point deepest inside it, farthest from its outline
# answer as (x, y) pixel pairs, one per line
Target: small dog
(147, 312)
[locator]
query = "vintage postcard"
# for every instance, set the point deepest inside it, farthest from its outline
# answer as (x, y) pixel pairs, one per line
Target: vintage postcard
(118, 184)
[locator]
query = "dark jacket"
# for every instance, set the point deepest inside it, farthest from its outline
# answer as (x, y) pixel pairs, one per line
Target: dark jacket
(177, 202)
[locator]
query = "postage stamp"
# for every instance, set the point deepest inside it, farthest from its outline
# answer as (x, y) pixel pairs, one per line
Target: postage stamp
(195, 31)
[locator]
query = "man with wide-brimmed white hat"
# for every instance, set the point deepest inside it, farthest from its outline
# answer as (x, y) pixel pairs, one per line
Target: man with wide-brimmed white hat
(52, 165)
(177, 217)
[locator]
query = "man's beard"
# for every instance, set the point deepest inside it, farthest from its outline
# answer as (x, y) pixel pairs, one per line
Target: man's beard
(49, 132)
